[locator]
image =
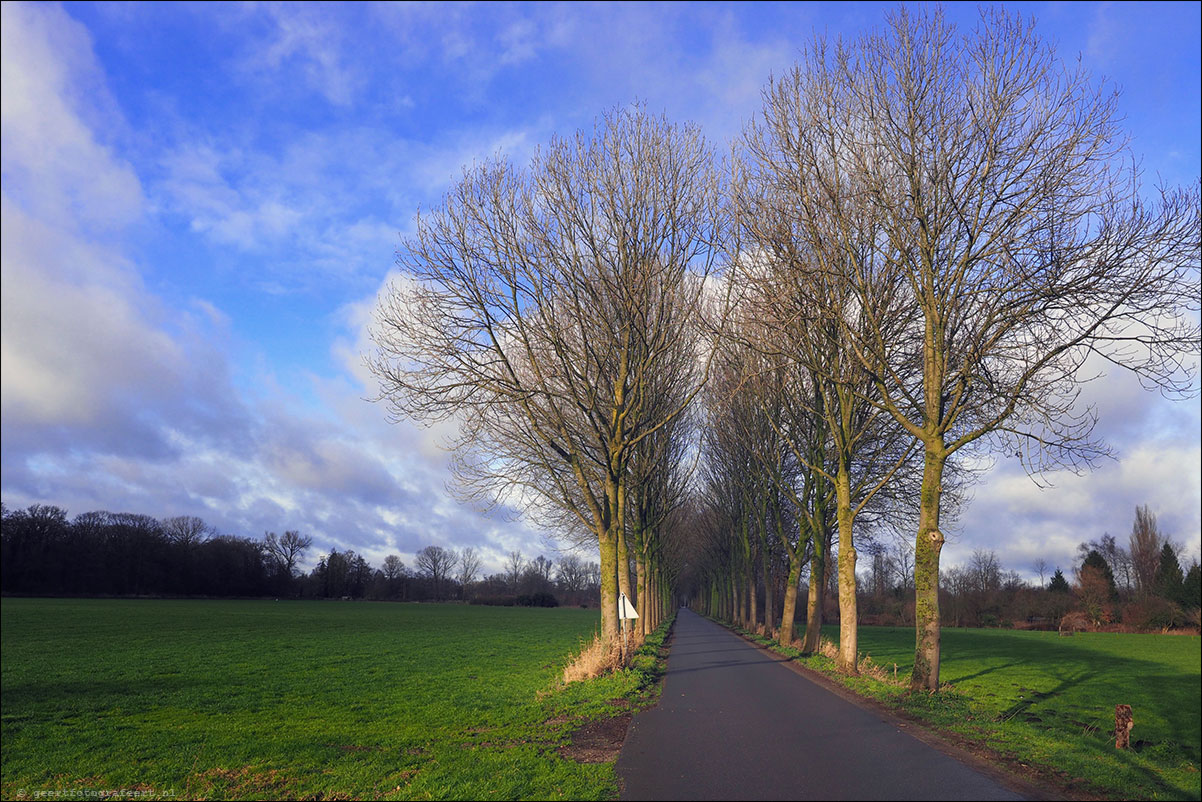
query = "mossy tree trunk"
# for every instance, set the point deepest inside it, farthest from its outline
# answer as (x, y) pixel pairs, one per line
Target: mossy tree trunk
(927, 548)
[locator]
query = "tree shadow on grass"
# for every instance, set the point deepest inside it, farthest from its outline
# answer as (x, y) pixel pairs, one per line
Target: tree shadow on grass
(95, 696)
(1070, 692)
(1044, 686)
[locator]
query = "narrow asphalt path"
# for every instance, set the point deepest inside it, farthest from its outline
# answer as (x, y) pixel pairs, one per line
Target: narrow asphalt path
(735, 723)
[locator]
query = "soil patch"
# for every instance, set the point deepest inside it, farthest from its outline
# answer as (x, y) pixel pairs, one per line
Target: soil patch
(598, 741)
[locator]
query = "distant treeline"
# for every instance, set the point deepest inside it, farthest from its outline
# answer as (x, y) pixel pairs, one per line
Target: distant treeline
(1141, 586)
(43, 552)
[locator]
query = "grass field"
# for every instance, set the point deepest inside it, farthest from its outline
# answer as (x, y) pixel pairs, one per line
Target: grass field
(1049, 701)
(226, 699)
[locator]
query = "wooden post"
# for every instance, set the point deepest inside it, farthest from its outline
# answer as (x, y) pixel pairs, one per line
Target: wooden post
(1123, 722)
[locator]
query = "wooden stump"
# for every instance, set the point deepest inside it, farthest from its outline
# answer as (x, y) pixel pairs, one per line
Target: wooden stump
(1123, 722)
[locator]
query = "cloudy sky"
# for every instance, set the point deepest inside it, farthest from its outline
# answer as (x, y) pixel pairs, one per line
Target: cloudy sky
(202, 201)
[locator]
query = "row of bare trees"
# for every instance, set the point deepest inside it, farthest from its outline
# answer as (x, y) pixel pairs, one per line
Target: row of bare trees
(445, 574)
(554, 312)
(916, 255)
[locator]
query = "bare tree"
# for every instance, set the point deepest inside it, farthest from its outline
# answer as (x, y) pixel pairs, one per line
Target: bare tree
(469, 567)
(436, 563)
(543, 567)
(760, 445)
(394, 572)
(1006, 219)
(1146, 545)
(515, 563)
(393, 568)
(187, 530)
(286, 550)
(571, 575)
(808, 319)
(901, 559)
(537, 305)
(658, 478)
(984, 571)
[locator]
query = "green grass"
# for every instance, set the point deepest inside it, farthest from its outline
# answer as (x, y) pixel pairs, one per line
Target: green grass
(223, 699)
(1048, 701)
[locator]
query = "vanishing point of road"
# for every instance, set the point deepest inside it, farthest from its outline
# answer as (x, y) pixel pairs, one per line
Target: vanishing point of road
(735, 722)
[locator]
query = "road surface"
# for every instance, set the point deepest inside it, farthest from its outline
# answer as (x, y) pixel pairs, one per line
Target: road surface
(734, 722)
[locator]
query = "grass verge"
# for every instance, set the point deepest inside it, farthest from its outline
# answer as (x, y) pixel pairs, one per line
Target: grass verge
(1044, 704)
(320, 700)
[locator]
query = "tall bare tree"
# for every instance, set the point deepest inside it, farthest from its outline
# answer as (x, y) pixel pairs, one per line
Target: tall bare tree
(394, 574)
(437, 564)
(1147, 541)
(759, 443)
(571, 575)
(1006, 216)
(515, 564)
(187, 530)
(468, 568)
(537, 306)
(286, 550)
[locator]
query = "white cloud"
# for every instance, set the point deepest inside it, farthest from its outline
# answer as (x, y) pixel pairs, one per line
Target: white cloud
(1024, 523)
(87, 351)
(318, 215)
(114, 399)
(53, 164)
(75, 333)
(304, 39)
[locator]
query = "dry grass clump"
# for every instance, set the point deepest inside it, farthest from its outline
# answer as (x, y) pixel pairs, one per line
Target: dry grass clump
(880, 673)
(595, 658)
(828, 649)
(866, 667)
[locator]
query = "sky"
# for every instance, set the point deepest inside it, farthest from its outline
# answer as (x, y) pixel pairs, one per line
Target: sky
(202, 202)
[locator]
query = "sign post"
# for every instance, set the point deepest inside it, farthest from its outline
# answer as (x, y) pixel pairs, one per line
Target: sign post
(625, 612)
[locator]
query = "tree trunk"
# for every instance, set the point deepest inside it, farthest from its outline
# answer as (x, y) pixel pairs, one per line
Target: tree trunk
(788, 634)
(766, 568)
(609, 587)
(736, 598)
(623, 563)
(753, 613)
(848, 614)
(927, 546)
(640, 570)
(653, 594)
(814, 603)
(608, 561)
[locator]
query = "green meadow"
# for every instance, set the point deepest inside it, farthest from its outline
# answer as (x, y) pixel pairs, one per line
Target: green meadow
(1047, 702)
(331, 700)
(327, 700)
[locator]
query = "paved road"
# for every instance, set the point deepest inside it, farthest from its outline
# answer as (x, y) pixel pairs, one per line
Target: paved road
(734, 723)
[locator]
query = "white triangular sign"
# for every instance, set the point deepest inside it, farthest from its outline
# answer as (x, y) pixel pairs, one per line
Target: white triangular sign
(625, 608)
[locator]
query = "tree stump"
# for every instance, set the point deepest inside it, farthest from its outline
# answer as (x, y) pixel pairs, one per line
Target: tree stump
(1123, 722)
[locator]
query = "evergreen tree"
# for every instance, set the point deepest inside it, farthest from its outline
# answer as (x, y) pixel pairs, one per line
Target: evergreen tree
(1192, 588)
(1058, 584)
(1170, 582)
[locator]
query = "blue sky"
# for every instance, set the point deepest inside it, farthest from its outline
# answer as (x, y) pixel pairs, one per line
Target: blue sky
(202, 201)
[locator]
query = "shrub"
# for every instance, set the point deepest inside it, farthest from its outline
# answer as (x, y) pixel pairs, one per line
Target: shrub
(1153, 613)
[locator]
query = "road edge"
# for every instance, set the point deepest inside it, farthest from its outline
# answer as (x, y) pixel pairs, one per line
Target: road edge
(999, 767)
